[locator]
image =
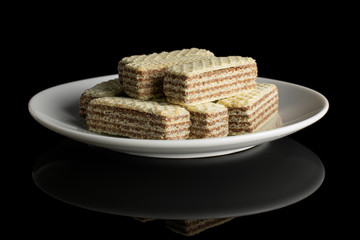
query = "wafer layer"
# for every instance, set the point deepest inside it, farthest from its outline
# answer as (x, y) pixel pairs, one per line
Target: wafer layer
(208, 120)
(138, 119)
(250, 111)
(109, 88)
(192, 227)
(209, 79)
(142, 75)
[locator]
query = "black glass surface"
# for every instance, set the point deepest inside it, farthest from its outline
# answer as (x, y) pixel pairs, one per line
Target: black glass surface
(267, 177)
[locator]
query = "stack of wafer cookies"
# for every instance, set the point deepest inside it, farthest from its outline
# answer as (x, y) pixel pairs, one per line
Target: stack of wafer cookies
(205, 97)
(142, 75)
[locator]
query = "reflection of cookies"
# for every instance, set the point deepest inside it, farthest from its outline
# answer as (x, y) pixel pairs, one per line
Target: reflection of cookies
(273, 123)
(142, 75)
(192, 227)
(208, 120)
(250, 111)
(209, 79)
(109, 88)
(144, 220)
(138, 119)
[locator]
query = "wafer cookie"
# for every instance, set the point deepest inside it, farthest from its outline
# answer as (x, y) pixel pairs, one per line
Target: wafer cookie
(208, 120)
(109, 88)
(142, 75)
(209, 79)
(249, 111)
(139, 119)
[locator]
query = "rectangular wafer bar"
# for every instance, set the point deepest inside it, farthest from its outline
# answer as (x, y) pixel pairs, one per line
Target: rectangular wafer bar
(139, 119)
(142, 75)
(249, 111)
(209, 79)
(208, 120)
(110, 88)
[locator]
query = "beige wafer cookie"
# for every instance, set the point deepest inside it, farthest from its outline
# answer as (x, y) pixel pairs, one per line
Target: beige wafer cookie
(249, 111)
(208, 120)
(138, 119)
(109, 88)
(142, 75)
(209, 79)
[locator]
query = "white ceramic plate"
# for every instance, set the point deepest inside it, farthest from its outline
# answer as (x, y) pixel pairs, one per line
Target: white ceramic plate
(57, 109)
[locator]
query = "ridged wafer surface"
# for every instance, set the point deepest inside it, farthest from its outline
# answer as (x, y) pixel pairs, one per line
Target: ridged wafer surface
(165, 56)
(246, 100)
(209, 64)
(206, 108)
(109, 88)
(105, 89)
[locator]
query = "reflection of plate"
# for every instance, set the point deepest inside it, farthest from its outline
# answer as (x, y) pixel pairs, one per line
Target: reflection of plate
(57, 109)
(270, 176)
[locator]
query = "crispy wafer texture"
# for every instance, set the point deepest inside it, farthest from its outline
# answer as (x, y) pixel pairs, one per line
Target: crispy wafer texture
(249, 111)
(193, 227)
(109, 88)
(210, 64)
(138, 119)
(142, 75)
(208, 120)
(209, 79)
(161, 57)
(192, 78)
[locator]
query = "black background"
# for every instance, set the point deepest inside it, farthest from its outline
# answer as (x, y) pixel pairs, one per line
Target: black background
(306, 45)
